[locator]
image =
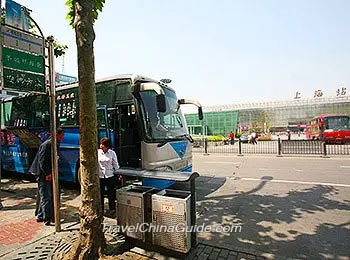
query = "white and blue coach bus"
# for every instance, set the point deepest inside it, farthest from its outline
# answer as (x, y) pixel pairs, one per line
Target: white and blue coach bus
(142, 117)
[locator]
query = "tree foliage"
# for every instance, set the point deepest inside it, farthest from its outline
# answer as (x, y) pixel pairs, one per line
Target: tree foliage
(99, 4)
(59, 49)
(262, 123)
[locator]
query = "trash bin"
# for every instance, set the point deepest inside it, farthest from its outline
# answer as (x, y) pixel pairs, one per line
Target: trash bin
(131, 210)
(171, 220)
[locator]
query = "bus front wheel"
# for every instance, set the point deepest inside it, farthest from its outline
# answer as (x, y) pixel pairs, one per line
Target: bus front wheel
(79, 176)
(77, 173)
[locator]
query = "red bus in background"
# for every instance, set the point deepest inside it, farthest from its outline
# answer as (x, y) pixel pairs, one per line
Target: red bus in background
(331, 128)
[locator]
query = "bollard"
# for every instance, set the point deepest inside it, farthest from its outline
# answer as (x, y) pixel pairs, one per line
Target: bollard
(240, 147)
(279, 147)
(324, 150)
(206, 147)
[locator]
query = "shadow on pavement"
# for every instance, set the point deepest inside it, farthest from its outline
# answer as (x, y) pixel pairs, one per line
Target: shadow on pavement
(259, 215)
(206, 185)
(20, 194)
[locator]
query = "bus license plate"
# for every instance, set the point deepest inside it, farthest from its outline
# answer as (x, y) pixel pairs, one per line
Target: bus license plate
(167, 208)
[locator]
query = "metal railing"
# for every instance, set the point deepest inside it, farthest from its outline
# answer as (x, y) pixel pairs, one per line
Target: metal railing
(301, 147)
(278, 147)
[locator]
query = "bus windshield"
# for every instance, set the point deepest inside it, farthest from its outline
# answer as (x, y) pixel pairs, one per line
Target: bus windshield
(337, 123)
(158, 125)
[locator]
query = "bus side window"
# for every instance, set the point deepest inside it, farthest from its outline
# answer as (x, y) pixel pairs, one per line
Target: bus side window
(111, 119)
(20, 120)
(101, 122)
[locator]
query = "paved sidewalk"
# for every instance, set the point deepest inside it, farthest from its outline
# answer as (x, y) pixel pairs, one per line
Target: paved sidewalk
(18, 226)
(21, 237)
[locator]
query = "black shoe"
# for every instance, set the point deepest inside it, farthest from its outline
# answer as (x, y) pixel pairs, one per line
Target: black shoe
(49, 222)
(112, 214)
(39, 220)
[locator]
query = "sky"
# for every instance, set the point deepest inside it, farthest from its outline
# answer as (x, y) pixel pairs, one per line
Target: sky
(216, 52)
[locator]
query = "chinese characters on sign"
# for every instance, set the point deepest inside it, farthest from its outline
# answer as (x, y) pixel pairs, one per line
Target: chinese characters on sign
(19, 40)
(297, 95)
(167, 208)
(318, 93)
(23, 80)
(31, 74)
(21, 60)
(341, 92)
(62, 78)
(66, 108)
(22, 52)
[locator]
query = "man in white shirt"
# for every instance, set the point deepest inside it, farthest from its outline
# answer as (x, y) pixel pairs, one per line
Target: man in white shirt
(108, 163)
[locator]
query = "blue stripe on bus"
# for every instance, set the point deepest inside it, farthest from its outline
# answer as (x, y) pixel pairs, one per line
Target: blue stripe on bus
(187, 168)
(180, 148)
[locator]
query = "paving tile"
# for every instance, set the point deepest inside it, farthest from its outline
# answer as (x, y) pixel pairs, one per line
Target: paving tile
(208, 249)
(200, 248)
(234, 253)
(213, 255)
(231, 257)
(215, 249)
(203, 256)
(224, 253)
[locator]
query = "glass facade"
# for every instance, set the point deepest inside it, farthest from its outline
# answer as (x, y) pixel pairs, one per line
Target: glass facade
(213, 123)
(275, 115)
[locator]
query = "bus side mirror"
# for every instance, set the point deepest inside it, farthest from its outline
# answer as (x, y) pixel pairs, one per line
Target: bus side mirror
(161, 106)
(200, 113)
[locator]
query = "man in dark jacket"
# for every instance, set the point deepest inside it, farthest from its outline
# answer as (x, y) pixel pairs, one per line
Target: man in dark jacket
(42, 168)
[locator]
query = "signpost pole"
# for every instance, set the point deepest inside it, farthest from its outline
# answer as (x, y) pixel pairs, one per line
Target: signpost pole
(52, 95)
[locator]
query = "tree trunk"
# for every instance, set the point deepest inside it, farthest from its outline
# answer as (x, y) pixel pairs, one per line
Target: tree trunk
(91, 240)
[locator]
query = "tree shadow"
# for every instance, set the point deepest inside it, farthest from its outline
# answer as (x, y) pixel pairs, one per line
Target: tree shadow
(302, 233)
(21, 194)
(206, 185)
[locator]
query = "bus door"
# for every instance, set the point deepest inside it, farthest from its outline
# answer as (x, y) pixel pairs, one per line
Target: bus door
(102, 123)
(127, 140)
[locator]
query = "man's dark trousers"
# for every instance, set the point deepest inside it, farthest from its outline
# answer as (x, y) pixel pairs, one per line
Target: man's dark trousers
(45, 210)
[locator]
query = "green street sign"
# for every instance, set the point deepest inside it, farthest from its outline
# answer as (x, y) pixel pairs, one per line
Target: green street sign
(23, 81)
(22, 60)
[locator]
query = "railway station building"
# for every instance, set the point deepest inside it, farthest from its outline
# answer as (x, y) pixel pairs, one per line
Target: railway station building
(272, 116)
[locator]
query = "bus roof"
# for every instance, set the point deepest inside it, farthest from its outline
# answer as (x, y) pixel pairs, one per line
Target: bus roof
(328, 115)
(132, 77)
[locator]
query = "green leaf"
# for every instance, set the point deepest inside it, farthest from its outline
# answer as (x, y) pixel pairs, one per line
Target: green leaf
(70, 15)
(99, 4)
(59, 49)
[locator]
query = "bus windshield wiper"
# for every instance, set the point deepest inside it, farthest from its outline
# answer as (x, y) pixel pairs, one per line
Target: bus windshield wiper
(178, 137)
(164, 142)
(188, 137)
